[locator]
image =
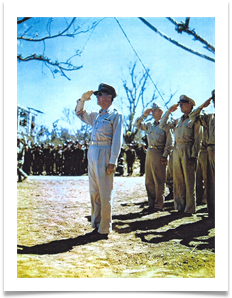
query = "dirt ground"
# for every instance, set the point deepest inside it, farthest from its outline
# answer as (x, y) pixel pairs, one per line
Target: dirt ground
(54, 234)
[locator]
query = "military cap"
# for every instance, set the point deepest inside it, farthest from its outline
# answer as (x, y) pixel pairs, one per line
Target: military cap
(107, 89)
(155, 106)
(184, 98)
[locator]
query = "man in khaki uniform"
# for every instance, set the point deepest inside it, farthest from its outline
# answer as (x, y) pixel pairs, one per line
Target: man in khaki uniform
(201, 172)
(208, 122)
(104, 149)
(186, 148)
(159, 147)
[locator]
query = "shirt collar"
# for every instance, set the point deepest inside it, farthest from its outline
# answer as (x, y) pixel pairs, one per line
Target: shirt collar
(182, 118)
(106, 110)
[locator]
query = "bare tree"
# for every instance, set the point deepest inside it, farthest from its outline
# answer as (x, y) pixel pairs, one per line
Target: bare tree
(135, 92)
(137, 97)
(69, 117)
(27, 33)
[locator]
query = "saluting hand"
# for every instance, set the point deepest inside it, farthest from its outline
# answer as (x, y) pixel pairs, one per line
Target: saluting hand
(147, 112)
(207, 102)
(173, 108)
(87, 95)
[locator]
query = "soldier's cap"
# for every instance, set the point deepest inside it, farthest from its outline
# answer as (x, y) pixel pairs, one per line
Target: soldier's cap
(106, 89)
(155, 106)
(186, 99)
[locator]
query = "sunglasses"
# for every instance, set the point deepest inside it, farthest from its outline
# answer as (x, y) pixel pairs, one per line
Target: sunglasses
(101, 93)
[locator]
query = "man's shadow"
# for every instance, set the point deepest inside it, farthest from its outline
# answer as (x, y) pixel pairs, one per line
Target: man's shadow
(59, 246)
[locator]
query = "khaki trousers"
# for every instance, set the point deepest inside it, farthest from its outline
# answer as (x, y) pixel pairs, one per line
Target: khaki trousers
(184, 179)
(201, 177)
(169, 179)
(100, 188)
(211, 181)
(155, 176)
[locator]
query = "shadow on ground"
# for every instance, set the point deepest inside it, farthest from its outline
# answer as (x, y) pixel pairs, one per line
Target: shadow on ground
(188, 232)
(59, 246)
(196, 232)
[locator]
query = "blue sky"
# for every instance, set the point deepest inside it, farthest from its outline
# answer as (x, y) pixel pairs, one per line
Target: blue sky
(106, 57)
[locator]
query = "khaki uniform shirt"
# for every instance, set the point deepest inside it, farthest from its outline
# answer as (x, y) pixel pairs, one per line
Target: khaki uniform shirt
(208, 122)
(107, 126)
(185, 131)
(157, 137)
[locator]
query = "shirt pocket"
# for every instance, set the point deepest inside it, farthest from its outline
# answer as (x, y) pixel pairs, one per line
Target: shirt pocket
(105, 126)
(188, 130)
(161, 135)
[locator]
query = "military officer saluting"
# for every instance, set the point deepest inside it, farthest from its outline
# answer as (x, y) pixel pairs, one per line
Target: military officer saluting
(208, 122)
(186, 148)
(159, 147)
(103, 152)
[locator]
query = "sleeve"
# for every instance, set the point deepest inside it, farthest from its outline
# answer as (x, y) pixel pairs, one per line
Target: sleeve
(164, 124)
(87, 117)
(169, 143)
(138, 123)
(117, 138)
(195, 116)
(197, 139)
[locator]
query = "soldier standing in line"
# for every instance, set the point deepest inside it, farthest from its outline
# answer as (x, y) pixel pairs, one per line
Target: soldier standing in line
(38, 160)
(58, 159)
(27, 160)
(187, 145)
(67, 156)
(48, 159)
(130, 159)
(141, 153)
(120, 164)
(80, 157)
(105, 146)
(159, 147)
(208, 122)
(20, 160)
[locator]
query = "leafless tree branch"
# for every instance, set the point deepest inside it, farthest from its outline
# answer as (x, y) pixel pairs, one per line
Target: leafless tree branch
(57, 65)
(70, 30)
(61, 34)
(175, 42)
(184, 27)
(22, 20)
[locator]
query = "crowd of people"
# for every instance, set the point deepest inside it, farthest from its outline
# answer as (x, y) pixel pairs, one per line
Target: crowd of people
(70, 158)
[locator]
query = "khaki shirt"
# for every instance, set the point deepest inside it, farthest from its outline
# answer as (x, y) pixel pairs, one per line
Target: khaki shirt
(156, 137)
(185, 131)
(107, 126)
(208, 122)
